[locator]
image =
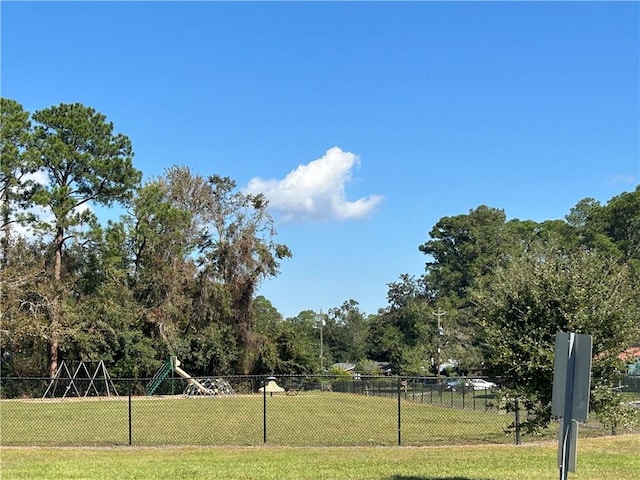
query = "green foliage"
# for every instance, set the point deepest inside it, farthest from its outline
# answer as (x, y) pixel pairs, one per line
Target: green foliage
(84, 160)
(368, 367)
(179, 272)
(463, 248)
(16, 170)
(404, 332)
(612, 410)
(340, 373)
(546, 291)
(348, 330)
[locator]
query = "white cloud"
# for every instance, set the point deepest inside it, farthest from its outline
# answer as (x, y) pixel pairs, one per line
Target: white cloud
(316, 191)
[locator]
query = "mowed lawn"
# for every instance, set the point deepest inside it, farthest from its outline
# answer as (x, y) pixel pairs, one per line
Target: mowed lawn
(325, 419)
(611, 458)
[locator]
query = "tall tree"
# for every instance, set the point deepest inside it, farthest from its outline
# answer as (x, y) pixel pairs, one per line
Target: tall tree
(85, 163)
(161, 270)
(240, 252)
(404, 333)
(16, 185)
(350, 332)
(463, 248)
(619, 220)
(229, 239)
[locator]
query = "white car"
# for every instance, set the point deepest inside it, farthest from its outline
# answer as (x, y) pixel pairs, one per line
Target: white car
(480, 384)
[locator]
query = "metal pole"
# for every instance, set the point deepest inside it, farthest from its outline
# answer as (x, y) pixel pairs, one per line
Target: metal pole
(439, 333)
(399, 416)
(517, 421)
(130, 422)
(463, 395)
(568, 404)
(264, 410)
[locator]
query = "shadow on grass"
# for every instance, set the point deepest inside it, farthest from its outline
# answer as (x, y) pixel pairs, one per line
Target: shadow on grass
(403, 477)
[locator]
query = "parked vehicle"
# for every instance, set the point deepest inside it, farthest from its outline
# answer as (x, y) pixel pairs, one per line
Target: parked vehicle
(454, 384)
(480, 384)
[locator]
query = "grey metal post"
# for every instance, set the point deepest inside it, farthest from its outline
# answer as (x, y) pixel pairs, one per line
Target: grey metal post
(568, 407)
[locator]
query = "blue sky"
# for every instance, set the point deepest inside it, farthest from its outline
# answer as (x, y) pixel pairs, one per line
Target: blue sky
(363, 122)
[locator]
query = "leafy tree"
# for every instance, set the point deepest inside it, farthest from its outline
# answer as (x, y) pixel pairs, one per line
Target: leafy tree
(85, 163)
(619, 220)
(267, 322)
(306, 326)
(16, 168)
(404, 333)
(161, 272)
(102, 317)
(239, 251)
(545, 291)
(350, 331)
(200, 250)
(26, 298)
(463, 248)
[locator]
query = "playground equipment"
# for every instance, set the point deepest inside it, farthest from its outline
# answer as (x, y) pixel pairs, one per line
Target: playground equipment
(81, 383)
(271, 387)
(195, 387)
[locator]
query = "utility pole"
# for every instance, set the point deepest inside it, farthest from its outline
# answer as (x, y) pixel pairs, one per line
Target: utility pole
(439, 333)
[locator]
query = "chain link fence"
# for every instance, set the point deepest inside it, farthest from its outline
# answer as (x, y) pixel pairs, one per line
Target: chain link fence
(255, 410)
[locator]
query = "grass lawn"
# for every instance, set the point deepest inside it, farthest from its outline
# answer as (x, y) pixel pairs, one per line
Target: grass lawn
(328, 419)
(598, 458)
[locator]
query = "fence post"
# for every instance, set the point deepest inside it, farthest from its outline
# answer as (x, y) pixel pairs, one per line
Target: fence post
(399, 415)
(463, 396)
(517, 421)
(264, 410)
(130, 422)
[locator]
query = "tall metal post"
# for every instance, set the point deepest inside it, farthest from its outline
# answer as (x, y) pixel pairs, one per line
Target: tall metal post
(567, 419)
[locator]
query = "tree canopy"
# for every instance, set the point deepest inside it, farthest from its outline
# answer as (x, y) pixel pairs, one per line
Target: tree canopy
(179, 274)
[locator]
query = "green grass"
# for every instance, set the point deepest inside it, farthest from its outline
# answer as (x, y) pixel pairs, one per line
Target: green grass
(605, 457)
(327, 419)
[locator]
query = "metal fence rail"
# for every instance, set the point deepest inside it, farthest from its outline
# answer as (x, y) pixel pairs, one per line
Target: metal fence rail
(252, 410)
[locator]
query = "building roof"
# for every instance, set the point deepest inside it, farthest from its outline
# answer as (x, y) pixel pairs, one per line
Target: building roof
(630, 354)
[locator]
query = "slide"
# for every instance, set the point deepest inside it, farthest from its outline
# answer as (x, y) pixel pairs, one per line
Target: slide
(175, 365)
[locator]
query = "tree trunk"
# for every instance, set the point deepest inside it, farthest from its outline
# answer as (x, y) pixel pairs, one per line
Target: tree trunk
(6, 239)
(244, 327)
(54, 341)
(54, 320)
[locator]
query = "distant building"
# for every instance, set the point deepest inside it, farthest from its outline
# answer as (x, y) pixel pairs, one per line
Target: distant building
(631, 357)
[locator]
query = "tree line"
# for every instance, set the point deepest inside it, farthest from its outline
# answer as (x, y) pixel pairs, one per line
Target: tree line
(177, 274)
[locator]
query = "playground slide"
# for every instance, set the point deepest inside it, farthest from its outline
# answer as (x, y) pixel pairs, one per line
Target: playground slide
(191, 380)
